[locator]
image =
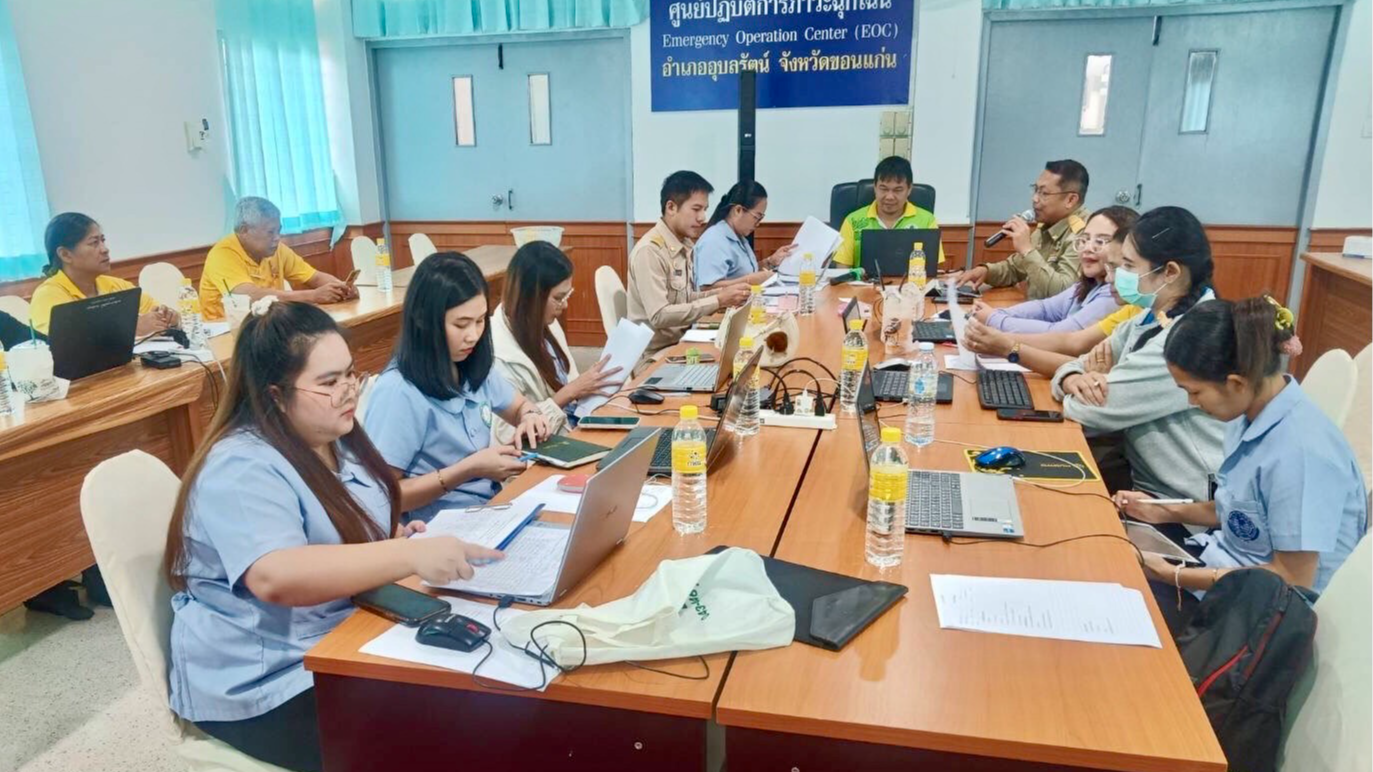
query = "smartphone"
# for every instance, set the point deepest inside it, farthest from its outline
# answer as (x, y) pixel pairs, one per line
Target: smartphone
(1017, 414)
(401, 604)
(352, 277)
(706, 326)
(624, 423)
(705, 359)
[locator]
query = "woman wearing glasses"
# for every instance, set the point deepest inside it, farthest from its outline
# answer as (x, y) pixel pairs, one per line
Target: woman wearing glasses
(283, 515)
(723, 254)
(531, 350)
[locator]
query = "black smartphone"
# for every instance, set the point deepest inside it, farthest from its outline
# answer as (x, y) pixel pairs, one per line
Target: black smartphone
(401, 604)
(1019, 414)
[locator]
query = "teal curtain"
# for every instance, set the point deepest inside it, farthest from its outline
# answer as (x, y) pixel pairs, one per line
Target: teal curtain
(275, 97)
(1034, 5)
(23, 199)
(419, 18)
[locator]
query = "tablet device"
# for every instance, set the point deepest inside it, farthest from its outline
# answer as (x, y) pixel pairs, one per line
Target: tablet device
(1148, 539)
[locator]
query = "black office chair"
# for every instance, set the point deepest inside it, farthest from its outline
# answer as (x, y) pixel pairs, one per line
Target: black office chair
(848, 196)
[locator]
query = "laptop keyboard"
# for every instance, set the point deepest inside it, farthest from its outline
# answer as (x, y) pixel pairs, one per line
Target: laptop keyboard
(890, 385)
(932, 331)
(662, 452)
(934, 501)
(690, 378)
(1003, 388)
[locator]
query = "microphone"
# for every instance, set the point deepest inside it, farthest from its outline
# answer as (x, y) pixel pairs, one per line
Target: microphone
(1028, 216)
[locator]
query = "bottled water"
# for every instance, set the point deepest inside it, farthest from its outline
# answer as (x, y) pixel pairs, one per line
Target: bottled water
(748, 416)
(188, 306)
(757, 309)
(383, 266)
(855, 359)
(920, 400)
(806, 306)
(6, 399)
(914, 290)
(887, 476)
(689, 474)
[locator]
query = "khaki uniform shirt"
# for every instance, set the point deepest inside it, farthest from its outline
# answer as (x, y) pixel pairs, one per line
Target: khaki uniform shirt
(662, 286)
(1050, 266)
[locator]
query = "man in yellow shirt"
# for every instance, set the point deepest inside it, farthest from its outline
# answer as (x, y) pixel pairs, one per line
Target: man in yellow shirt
(252, 261)
(891, 209)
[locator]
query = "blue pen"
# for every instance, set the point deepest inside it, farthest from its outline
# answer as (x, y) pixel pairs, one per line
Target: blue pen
(533, 515)
(527, 456)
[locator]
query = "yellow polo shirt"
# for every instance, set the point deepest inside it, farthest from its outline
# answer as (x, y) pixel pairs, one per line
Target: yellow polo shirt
(228, 265)
(1123, 314)
(850, 250)
(58, 289)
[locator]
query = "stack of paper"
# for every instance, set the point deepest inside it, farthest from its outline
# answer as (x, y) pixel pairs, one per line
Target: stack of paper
(484, 526)
(815, 237)
(1096, 612)
(624, 347)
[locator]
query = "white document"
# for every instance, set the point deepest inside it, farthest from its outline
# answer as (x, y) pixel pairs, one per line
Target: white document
(1095, 612)
(965, 360)
(484, 526)
(699, 336)
(815, 237)
(530, 566)
(216, 329)
(959, 362)
(626, 344)
(652, 499)
(507, 663)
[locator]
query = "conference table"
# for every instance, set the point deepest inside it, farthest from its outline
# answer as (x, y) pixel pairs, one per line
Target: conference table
(904, 694)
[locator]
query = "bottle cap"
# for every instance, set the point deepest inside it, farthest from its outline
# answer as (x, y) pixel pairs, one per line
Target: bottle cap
(856, 325)
(891, 434)
(920, 245)
(926, 345)
(756, 289)
(185, 281)
(746, 342)
(689, 412)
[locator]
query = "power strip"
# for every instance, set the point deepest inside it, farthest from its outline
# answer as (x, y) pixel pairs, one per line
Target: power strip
(797, 421)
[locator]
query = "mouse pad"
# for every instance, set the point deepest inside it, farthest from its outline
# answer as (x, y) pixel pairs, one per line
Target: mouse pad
(1042, 465)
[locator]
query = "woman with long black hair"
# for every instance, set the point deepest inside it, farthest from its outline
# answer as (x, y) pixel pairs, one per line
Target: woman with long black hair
(723, 254)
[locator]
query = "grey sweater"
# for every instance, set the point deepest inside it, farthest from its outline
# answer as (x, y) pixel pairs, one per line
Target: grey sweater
(1172, 447)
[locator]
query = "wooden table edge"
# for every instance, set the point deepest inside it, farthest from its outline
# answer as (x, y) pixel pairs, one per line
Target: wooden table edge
(1340, 265)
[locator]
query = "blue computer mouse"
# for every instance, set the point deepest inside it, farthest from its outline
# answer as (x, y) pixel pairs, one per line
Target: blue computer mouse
(1004, 457)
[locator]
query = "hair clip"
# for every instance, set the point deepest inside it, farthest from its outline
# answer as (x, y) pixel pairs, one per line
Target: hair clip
(1160, 233)
(1285, 320)
(1291, 347)
(260, 306)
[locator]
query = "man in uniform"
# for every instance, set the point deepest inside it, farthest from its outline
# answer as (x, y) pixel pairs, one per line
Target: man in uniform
(661, 287)
(1045, 256)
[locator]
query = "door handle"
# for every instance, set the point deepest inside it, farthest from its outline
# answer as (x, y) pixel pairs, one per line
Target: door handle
(510, 199)
(1139, 194)
(498, 199)
(1122, 196)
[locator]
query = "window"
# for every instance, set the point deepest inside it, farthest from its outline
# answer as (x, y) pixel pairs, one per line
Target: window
(1096, 87)
(464, 118)
(540, 123)
(1196, 97)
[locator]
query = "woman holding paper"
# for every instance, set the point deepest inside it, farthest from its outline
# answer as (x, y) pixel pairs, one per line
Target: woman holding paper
(531, 350)
(723, 254)
(283, 515)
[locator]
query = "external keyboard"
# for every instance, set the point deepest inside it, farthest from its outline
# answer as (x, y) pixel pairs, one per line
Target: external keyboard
(934, 502)
(1003, 389)
(932, 331)
(890, 385)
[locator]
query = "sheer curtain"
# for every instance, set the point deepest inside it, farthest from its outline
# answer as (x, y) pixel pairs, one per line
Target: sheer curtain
(412, 18)
(274, 94)
(23, 199)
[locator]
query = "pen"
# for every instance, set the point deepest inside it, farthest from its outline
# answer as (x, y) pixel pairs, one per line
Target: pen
(1166, 501)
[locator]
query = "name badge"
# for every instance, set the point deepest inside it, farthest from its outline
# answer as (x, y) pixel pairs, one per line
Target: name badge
(486, 413)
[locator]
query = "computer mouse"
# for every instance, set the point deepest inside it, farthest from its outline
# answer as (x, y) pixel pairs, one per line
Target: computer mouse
(1004, 457)
(645, 397)
(453, 631)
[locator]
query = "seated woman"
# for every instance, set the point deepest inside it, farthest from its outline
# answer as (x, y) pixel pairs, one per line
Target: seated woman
(1289, 497)
(79, 268)
(283, 515)
(723, 255)
(1082, 305)
(531, 351)
(431, 411)
(1170, 445)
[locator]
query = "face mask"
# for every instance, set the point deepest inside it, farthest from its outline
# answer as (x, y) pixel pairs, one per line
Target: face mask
(1127, 286)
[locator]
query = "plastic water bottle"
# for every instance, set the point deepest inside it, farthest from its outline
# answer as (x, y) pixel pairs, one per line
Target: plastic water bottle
(6, 399)
(851, 374)
(920, 400)
(914, 290)
(689, 474)
(748, 424)
(188, 305)
(757, 307)
(887, 480)
(383, 266)
(806, 304)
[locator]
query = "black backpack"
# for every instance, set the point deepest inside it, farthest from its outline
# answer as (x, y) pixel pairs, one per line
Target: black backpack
(1245, 648)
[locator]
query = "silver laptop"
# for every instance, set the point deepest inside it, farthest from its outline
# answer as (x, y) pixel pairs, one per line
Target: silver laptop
(703, 378)
(952, 503)
(568, 553)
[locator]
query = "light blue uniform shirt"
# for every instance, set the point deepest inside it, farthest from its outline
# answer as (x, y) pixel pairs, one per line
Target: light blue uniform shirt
(1289, 483)
(233, 656)
(722, 254)
(419, 434)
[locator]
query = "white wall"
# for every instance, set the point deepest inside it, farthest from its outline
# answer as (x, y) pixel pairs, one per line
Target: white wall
(110, 85)
(1344, 197)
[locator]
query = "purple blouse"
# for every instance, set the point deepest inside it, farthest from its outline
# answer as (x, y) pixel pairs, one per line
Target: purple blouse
(1061, 313)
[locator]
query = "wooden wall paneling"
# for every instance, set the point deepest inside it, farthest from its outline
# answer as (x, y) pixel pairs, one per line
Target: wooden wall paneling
(1332, 239)
(446, 236)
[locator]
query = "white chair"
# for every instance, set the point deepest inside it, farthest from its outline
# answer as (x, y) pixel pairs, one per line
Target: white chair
(1330, 384)
(163, 282)
(1357, 425)
(126, 505)
(364, 259)
(611, 297)
(421, 246)
(15, 306)
(1329, 713)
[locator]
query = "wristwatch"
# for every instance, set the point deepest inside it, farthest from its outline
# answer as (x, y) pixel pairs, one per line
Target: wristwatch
(1014, 356)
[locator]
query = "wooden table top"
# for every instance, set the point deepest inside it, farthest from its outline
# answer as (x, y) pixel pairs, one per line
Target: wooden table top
(1357, 268)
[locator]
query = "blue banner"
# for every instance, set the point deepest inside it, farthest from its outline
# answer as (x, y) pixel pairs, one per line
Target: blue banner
(807, 53)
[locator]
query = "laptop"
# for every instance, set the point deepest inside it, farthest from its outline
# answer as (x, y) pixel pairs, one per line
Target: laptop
(933, 331)
(972, 504)
(892, 385)
(703, 378)
(568, 553)
(93, 335)
(853, 311)
(887, 253)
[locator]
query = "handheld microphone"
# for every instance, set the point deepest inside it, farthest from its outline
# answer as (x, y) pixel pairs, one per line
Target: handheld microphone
(1028, 216)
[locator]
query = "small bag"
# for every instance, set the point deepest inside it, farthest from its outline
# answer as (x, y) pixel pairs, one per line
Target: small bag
(701, 605)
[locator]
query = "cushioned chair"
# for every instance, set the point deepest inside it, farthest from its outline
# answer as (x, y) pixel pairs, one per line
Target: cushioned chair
(848, 196)
(163, 282)
(1360, 416)
(611, 297)
(15, 306)
(1330, 384)
(421, 246)
(1329, 713)
(364, 258)
(126, 505)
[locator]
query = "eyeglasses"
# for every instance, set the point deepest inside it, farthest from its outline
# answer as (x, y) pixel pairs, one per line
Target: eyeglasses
(1038, 192)
(1100, 242)
(349, 385)
(565, 299)
(757, 216)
